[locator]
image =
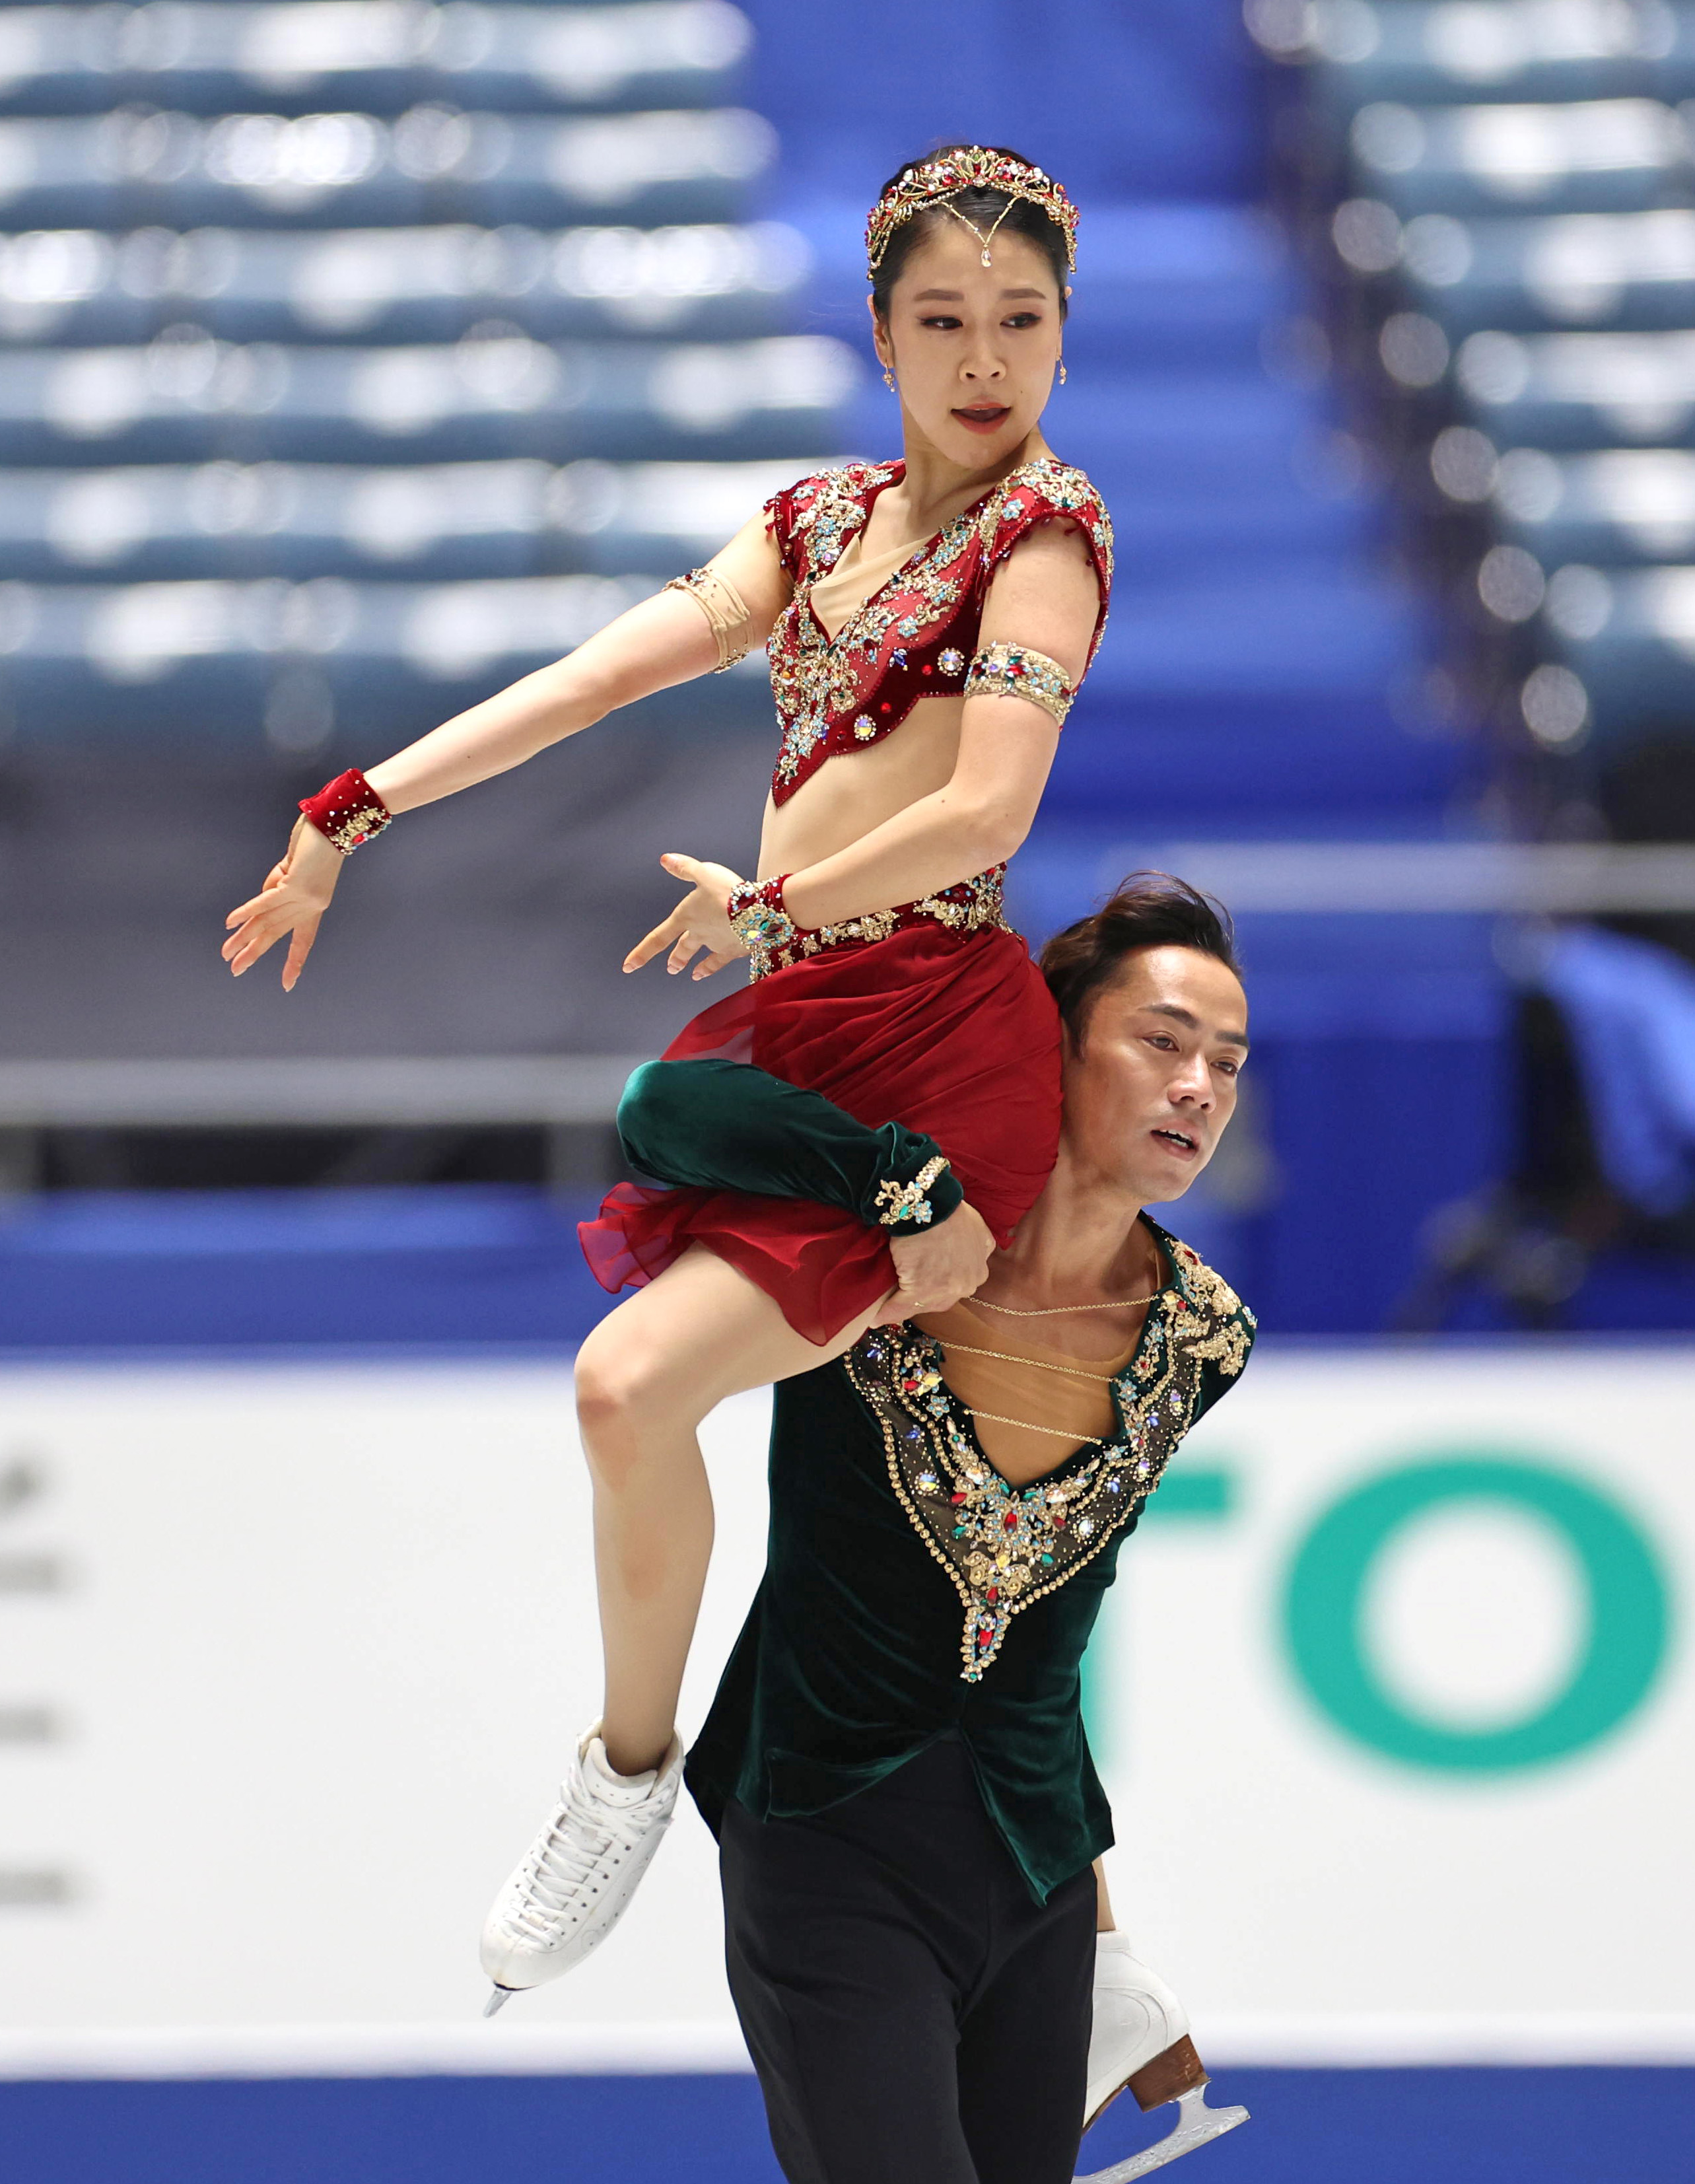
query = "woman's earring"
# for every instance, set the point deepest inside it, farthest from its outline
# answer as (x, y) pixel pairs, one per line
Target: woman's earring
(1063, 374)
(888, 379)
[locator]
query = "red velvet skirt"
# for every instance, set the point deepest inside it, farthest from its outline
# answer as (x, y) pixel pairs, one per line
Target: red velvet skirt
(954, 1034)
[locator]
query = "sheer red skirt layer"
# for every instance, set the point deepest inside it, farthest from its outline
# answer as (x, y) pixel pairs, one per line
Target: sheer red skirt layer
(953, 1034)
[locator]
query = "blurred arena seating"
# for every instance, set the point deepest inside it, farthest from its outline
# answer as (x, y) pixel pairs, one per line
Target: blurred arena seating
(219, 301)
(361, 356)
(1499, 200)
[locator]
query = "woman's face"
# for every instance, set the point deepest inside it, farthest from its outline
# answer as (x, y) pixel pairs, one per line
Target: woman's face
(973, 347)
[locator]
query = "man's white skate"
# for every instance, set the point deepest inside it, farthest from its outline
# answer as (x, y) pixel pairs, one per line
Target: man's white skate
(1141, 2043)
(570, 1888)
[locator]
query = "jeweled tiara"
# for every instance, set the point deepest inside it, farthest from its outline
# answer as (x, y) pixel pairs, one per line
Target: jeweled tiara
(935, 181)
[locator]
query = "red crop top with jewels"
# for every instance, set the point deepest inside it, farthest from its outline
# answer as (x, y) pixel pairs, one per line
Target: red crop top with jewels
(914, 637)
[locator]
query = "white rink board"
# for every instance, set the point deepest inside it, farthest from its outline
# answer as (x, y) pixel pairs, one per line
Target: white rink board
(313, 1639)
(1292, 1868)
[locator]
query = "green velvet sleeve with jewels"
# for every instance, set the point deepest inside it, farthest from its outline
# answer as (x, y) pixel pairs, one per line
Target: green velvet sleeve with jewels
(728, 1126)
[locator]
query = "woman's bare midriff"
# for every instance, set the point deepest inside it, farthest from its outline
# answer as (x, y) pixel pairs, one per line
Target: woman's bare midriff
(855, 791)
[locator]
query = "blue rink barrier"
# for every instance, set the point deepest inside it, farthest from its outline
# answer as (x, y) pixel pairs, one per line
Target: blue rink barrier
(492, 1266)
(454, 1263)
(1601, 2125)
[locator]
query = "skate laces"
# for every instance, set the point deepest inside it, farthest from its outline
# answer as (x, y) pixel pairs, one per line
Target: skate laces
(566, 1855)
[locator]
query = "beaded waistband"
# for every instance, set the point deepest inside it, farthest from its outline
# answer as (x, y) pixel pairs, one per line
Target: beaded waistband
(967, 907)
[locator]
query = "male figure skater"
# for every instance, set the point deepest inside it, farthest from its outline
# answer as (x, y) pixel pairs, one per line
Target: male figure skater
(895, 1765)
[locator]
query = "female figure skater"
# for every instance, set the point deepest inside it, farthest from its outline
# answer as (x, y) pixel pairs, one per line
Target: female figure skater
(928, 621)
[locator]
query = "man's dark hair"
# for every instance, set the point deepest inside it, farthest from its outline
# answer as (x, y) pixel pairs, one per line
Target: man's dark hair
(984, 207)
(1148, 909)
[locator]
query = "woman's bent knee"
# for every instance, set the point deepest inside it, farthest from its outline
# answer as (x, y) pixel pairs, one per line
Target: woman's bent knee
(626, 1387)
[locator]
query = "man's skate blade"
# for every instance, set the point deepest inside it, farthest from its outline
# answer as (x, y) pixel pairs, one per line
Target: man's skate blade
(497, 1999)
(1196, 2124)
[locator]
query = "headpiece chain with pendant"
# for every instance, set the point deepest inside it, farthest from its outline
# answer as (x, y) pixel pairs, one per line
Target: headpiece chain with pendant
(937, 182)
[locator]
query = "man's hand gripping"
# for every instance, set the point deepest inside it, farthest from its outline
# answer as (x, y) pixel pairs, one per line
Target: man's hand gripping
(937, 1265)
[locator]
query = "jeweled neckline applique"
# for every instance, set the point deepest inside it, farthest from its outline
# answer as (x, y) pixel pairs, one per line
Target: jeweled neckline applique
(1007, 1546)
(913, 635)
(874, 485)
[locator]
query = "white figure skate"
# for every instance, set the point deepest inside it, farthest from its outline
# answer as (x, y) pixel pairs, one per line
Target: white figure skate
(572, 1885)
(1141, 2041)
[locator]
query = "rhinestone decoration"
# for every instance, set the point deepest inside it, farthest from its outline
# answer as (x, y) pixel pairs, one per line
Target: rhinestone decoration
(933, 181)
(1005, 1547)
(842, 693)
(1012, 671)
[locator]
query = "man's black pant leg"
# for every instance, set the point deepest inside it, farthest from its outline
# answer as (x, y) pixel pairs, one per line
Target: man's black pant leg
(848, 2017)
(1023, 2042)
(914, 2016)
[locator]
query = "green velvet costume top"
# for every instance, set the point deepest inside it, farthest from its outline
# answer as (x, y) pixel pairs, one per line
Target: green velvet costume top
(910, 1592)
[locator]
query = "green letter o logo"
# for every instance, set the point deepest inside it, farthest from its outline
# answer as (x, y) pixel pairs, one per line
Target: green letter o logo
(1629, 1615)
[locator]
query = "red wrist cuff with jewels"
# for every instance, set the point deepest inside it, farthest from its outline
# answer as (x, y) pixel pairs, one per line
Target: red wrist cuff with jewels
(348, 811)
(760, 921)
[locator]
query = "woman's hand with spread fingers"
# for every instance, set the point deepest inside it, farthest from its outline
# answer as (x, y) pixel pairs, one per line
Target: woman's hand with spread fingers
(700, 921)
(294, 898)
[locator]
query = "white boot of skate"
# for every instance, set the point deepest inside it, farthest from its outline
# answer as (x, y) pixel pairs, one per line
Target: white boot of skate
(1141, 2041)
(572, 1885)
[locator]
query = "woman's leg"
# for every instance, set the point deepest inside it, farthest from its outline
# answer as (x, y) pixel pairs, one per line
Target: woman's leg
(646, 1377)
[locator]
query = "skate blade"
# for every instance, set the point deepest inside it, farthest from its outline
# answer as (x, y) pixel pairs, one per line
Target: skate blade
(497, 2000)
(1196, 2124)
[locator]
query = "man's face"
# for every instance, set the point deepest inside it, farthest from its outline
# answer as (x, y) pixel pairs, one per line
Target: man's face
(1150, 1089)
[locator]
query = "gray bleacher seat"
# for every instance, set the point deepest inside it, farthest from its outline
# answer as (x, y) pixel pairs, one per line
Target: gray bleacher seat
(1616, 505)
(1629, 636)
(381, 52)
(1579, 390)
(1601, 155)
(142, 164)
(406, 283)
(510, 517)
(188, 397)
(1437, 50)
(1624, 269)
(237, 665)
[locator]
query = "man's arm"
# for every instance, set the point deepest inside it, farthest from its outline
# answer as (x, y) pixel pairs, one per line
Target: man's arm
(728, 1126)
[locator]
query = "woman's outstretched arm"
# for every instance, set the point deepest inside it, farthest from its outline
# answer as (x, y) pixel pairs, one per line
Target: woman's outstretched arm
(665, 640)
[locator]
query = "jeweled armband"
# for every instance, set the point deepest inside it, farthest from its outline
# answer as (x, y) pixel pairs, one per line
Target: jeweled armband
(725, 610)
(760, 921)
(904, 1202)
(1012, 671)
(348, 811)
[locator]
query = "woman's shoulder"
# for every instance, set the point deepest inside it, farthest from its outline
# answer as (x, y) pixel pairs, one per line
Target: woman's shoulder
(822, 498)
(1045, 490)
